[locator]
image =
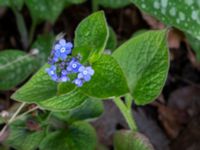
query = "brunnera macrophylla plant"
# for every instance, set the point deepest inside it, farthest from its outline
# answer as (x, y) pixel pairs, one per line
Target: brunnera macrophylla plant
(79, 75)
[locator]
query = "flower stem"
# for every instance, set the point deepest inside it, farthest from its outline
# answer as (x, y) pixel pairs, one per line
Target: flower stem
(95, 5)
(127, 113)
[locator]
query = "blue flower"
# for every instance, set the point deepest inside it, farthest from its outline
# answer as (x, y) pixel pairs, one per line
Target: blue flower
(52, 72)
(64, 72)
(62, 65)
(62, 49)
(64, 78)
(78, 82)
(85, 73)
(73, 66)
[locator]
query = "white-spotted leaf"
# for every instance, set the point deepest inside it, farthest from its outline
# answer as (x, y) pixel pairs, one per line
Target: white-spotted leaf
(183, 14)
(15, 67)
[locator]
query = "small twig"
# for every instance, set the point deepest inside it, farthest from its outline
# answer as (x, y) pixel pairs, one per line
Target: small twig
(12, 118)
(27, 112)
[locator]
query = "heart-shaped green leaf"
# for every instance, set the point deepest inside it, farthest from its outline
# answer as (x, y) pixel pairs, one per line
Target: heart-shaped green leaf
(78, 136)
(145, 62)
(15, 67)
(108, 79)
(183, 14)
(92, 33)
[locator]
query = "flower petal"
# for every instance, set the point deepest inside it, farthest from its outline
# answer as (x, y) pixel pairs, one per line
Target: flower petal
(57, 47)
(62, 42)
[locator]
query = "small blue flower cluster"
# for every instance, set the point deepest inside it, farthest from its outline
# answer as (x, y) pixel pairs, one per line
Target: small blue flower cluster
(64, 67)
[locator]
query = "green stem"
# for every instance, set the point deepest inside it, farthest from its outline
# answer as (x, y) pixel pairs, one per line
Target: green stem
(127, 113)
(95, 5)
(128, 100)
(32, 31)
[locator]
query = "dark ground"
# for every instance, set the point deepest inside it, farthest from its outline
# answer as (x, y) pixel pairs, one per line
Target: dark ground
(172, 121)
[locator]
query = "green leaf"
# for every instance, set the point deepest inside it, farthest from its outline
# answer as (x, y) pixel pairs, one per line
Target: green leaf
(114, 3)
(40, 87)
(42, 90)
(91, 108)
(84, 52)
(21, 138)
(195, 44)
(183, 14)
(44, 45)
(15, 67)
(75, 1)
(79, 136)
(92, 33)
(145, 65)
(12, 3)
(42, 10)
(112, 40)
(128, 140)
(65, 87)
(108, 79)
(64, 102)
